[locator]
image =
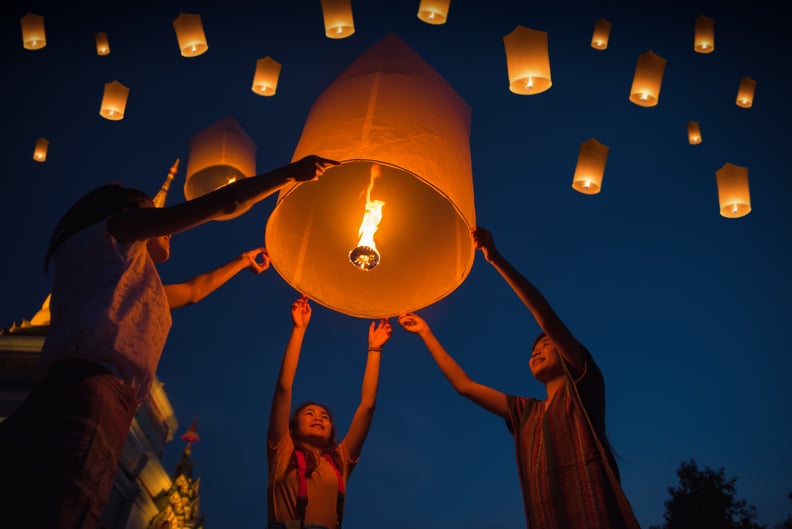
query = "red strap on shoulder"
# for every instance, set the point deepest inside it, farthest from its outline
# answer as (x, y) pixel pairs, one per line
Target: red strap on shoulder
(302, 482)
(338, 474)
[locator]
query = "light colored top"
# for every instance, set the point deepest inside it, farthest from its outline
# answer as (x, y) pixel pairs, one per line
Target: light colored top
(108, 306)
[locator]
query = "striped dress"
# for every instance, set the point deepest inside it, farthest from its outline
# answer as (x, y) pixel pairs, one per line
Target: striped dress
(567, 471)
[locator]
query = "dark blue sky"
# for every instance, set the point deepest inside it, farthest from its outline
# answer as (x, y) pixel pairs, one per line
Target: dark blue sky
(685, 311)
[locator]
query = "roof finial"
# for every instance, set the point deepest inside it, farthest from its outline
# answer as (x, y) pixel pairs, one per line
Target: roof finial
(159, 198)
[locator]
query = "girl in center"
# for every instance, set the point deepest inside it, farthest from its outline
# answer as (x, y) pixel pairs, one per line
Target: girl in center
(308, 468)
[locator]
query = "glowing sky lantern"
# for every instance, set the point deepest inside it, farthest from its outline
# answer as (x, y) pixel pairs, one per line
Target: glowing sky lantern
(220, 154)
(114, 101)
(265, 80)
(102, 44)
(599, 39)
(338, 20)
(403, 136)
(590, 167)
(527, 61)
(694, 132)
(33, 35)
(704, 35)
(745, 93)
(190, 34)
(40, 151)
(734, 196)
(648, 78)
(434, 11)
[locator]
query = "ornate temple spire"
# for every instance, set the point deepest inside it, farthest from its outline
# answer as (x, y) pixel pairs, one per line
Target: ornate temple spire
(162, 194)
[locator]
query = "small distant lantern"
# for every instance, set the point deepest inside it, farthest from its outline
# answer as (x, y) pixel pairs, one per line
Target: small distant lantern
(528, 61)
(40, 152)
(102, 44)
(648, 78)
(33, 35)
(219, 155)
(190, 34)
(734, 196)
(704, 37)
(745, 94)
(338, 20)
(114, 101)
(265, 81)
(599, 40)
(434, 11)
(694, 132)
(590, 167)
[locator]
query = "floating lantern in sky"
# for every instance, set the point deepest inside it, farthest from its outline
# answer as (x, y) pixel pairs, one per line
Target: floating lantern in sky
(745, 94)
(114, 101)
(590, 167)
(734, 196)
(403, 136)
(220, 154)
(527, 61)
(102, 44)
(338, 20)
(599, 40)
(648, 78)
(704, 37)
(33, 35)
(694, 132)
(434, 11)
(40, 152)
(190, 34)
(265, 81)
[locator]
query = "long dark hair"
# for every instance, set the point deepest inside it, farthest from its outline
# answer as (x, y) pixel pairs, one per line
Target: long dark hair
(95, 206)
(332, 447)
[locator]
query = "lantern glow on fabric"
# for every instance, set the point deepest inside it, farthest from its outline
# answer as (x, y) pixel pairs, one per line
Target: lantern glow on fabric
(704, 37)
(734, 196)
(599, 40)
(190, 34)
(102, 44)
(434, 11)
(527, 61)
(338, 20)
(220, 154)
(40, 152)
(694, 132)
(648, 78)
(590, 167)
(392, 110)
(745, 94)
(33, 35)
(114, 101)
(265, 80)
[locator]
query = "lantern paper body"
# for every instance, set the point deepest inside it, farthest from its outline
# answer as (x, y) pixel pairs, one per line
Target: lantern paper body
(704, 38)
(265, 81)
(190, 34)
(40, 152)
(219, 155)
(102, 44)
(434, 11)
(33, 36)
(648, 78)
(734, 196)
(528, 61)
(338, 20)
(590, 167)
(694, 132)
(745, 94)
(388, 108)
(114, 101)
(599, 40)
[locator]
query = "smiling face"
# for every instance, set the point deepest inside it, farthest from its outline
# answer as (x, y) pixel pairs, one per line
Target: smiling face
(545, 363)
(312, 424)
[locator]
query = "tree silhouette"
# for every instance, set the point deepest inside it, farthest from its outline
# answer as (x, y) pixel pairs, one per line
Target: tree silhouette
(706, 499)
(787, 524)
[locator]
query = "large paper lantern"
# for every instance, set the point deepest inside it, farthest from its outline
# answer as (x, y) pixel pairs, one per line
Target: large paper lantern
(590, 167)
(599, 39)
(704, 36)
(338, 19)
(745, 93)
(190, 34)
(734, 196)
(434, 11)
(648, 78)
(694, 132)
(114, 101)
(220, 154)
(33, 35)
(527, 61)
(102, 44)
(40, 152)
(387, 231)
(265, 80)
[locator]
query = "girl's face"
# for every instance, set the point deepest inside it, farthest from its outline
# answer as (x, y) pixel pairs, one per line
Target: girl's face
(313, 424)
(545, 363)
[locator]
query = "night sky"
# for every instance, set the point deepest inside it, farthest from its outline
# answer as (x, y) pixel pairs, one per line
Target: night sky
(685, 311)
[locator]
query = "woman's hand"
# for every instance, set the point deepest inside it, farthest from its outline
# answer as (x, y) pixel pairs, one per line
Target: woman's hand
(251, 256)
(379, 333)
(301, 312)
(413, 323)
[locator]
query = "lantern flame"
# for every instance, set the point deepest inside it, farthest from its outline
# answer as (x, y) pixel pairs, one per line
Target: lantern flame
(365, 255)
